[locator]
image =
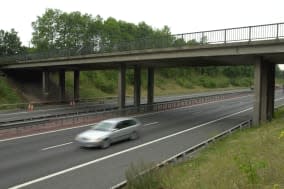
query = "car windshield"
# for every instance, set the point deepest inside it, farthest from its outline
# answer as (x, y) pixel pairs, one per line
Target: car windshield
(103, 126)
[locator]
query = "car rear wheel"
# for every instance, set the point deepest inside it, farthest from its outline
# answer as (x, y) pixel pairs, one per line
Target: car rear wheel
(105, 144)
(134, 135)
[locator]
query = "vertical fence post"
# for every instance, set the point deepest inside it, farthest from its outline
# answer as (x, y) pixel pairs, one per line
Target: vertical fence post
(249, 39)
(277, 31)
(225, 36)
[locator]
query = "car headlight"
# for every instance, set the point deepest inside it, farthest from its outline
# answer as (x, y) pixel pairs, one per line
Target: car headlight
(97, 139)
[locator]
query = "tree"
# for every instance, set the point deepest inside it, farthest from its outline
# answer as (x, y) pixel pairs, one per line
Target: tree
(10, 43)
(60, 30)
(45, 28)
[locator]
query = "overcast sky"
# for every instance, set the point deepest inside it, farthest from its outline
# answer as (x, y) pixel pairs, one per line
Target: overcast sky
(180, 15)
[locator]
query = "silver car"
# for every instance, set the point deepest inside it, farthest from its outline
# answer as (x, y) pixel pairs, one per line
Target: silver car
(109, 131)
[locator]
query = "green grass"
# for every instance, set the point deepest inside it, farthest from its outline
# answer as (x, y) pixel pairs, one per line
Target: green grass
(101, 84)
(8, 95)
(248, 159)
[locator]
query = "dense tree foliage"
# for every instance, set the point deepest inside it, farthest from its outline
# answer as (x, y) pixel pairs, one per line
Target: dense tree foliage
(60, 30)
(10, 43)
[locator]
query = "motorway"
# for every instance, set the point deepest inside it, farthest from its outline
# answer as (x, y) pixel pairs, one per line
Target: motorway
(53, 160)
(65, 109)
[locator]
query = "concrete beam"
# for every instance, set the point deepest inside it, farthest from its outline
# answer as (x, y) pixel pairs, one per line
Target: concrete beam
(150, 92)
(76, 85)
(261, 48)
(121, 86)
(62, 94)
(137, 86)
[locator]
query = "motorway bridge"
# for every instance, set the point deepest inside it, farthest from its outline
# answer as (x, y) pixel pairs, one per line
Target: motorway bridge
(261, 46)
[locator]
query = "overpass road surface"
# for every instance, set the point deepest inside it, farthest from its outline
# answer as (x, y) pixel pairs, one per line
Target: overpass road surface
(53, 160)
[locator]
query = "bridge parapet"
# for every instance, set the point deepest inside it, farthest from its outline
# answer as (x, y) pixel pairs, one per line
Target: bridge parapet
(226, 36)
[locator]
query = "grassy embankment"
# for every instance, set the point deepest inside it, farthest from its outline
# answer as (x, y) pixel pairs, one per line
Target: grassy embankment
(7, 94)
(102, 84)
(249, 159)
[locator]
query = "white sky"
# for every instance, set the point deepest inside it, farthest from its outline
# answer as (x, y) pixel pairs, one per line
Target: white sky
(181, 16)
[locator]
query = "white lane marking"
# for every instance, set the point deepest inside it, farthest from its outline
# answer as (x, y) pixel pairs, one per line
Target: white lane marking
(148, 124)
(191, 106)
(56, 146)
(48, 132)
(121, 152)
(278, 99)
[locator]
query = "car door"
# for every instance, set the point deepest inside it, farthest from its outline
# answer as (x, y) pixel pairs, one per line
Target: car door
(131, 127)
(120, 131)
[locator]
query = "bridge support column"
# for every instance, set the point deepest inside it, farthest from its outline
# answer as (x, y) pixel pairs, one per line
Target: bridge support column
(137, 86)
(45, 83)
(150, 92)
(121, 86)
(76, 85)
(62, 85)
(271, 91)
(264, 79)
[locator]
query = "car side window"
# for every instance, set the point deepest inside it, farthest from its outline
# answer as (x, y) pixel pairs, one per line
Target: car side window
(126, 123)
(120, 125)
(131, 122)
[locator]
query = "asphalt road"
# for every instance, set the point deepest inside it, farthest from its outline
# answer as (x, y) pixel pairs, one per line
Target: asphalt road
(53, 160)
(65, 109)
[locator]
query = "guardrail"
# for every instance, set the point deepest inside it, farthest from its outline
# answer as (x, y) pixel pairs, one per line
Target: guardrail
(75, 119)
(38, 105)
(185, 153)
(221, 36)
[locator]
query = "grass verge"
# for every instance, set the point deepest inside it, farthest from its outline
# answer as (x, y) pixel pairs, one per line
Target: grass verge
(248, 159)
(8, 95)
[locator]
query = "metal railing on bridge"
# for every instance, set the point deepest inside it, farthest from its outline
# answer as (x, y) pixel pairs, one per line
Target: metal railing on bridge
(222, 36)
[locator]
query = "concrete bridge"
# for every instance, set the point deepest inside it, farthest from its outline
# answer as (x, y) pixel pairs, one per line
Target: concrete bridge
(261, 46)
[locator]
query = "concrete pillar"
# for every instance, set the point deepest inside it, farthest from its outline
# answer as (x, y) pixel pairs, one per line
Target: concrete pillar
(150, 92)
(121, 86)
(62, 85)
(76, 85)
(45, 83)
(271, 91)
(264, 91)
(137, 86)
(257, 93)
